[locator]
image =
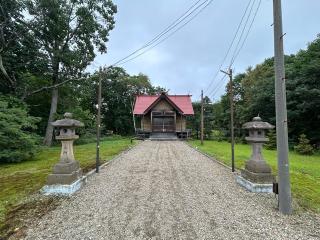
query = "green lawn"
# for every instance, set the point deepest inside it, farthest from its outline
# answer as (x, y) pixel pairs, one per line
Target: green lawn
(22, 179)
(304, 170)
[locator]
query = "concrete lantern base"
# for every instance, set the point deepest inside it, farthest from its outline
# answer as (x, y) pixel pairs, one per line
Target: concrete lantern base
(64, 178)
(63, 189)
(65, 173)
(254, 187)
(258, 177)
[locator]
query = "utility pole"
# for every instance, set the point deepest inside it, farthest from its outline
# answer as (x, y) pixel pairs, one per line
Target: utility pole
(201, 125)
(98, 123)
(133, 118)
(281, 113)
(229, 73)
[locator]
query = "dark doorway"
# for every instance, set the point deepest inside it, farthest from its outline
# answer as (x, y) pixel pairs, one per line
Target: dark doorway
(163, 124)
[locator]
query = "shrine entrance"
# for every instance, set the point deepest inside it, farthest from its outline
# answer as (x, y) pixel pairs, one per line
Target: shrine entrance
(163, 121)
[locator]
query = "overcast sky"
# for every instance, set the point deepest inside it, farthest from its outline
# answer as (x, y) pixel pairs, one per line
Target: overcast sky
(187, 61)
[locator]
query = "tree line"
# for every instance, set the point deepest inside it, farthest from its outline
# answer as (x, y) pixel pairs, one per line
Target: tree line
(254, 94)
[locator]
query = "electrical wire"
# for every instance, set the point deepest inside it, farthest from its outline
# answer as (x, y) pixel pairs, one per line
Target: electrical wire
(217, 89)
(238, 49)
(242, 32)
(173, 25)
(229, 48)
(153, 46)
(246, 36)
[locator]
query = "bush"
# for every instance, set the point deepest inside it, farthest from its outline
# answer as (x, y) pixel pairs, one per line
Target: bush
(17, 142)
(304, 147)
(218, 135)
(272, 144)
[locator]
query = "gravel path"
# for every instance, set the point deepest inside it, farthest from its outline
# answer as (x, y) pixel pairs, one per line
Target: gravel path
(167, 190)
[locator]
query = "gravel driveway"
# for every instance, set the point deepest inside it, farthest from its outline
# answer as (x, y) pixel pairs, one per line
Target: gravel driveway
(167, 190)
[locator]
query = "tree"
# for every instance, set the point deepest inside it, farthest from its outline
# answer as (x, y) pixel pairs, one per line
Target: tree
(208, 117)
(303, 93)
(68, 32)
(272, 143)
(17, 142)
(194, 121)
(304, 146)
(19, 53)
(118, 95)
(254, 94)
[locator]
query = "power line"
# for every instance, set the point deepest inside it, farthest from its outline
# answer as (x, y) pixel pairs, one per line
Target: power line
(230, 46)
(249, 29)
(242, 32)
(168, 36)
(217, 89)
(237, 49)
(173, 25)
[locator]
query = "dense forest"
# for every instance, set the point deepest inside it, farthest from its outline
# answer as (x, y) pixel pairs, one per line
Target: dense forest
(254, 94)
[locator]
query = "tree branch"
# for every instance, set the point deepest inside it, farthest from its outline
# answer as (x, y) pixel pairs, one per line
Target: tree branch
(3, 70)
(45, 88)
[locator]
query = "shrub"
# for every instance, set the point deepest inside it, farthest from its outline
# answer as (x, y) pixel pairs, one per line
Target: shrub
(17, 142)
(272, 144)
(304, 147)
(218, 135)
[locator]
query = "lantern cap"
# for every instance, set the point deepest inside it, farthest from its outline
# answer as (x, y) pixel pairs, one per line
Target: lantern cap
(257, 123)
(67, 122)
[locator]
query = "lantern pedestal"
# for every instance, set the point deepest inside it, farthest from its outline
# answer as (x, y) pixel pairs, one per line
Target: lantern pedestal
(69, 173)
(257, 177)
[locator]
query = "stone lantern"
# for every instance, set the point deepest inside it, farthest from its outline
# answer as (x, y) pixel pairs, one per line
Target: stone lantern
(67, 174)
(257, 175)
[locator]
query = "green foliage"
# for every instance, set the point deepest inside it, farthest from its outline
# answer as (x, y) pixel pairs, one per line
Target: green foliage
(48, 43)
(118, 95)
(208, 118)
(218, 135)
(272, 143)
(254, 94)
(17, 142)
(70, 31)
(304, 146)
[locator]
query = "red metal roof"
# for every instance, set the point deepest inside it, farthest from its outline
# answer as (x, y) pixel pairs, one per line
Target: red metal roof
(143, 102)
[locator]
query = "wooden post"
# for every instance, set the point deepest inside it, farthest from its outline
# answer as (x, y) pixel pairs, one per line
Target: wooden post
(229, 73)
(201, 128)
(142, 122)
(98, 123)
(133, 118)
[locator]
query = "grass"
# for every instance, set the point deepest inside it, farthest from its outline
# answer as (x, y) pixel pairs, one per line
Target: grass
(304, 170)
(18, 180)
